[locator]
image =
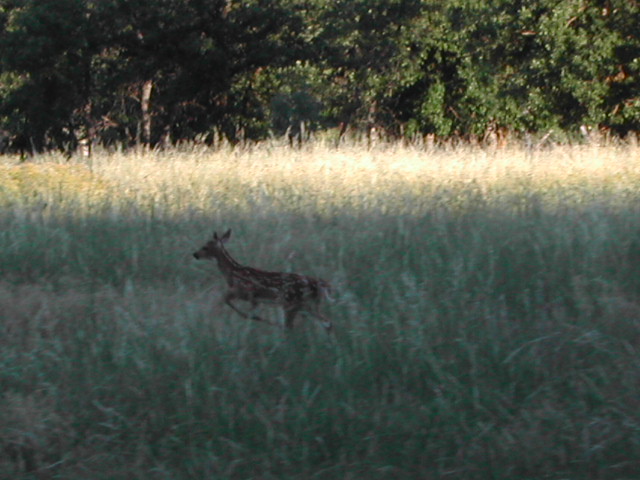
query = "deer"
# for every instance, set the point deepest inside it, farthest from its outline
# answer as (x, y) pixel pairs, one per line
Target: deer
(293, 292)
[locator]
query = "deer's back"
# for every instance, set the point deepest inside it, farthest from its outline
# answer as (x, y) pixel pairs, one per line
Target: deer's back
(278, 286)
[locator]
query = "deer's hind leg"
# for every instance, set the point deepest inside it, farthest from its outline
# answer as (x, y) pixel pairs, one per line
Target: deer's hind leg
(326, 323)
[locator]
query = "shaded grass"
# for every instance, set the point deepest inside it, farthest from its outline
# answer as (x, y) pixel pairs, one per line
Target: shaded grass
(487, 319)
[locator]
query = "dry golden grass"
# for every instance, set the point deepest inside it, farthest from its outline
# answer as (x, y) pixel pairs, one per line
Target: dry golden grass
(317, 177)
(322, 178)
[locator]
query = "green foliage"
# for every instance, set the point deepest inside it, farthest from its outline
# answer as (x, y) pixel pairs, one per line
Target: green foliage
(84, 65)
(593, 50)
(75, 69)
(529, 66)
(48, 46)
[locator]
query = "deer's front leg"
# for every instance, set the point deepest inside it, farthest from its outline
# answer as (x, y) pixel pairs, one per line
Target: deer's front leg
(232, 296)
(290, 312)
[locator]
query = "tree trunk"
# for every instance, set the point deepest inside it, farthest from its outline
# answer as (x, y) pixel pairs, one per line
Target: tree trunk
(145, 102)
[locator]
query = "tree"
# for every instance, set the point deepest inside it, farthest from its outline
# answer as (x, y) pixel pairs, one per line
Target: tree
(590, 63)
(46, 50)
(525, 66)
(170, 70)
(144, 70)
(356, 45)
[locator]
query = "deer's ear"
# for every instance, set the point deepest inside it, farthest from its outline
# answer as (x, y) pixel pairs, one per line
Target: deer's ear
(215, 236)
(226, 236)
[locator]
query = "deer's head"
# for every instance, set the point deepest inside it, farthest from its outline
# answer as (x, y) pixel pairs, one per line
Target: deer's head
(214, 248)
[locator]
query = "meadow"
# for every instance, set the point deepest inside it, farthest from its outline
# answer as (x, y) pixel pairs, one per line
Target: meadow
(486, 313)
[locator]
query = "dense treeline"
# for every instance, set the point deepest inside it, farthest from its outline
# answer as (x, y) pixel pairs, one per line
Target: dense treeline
(156, 72)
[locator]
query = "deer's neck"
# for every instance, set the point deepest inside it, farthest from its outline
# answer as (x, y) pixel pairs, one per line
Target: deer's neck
(227, 264)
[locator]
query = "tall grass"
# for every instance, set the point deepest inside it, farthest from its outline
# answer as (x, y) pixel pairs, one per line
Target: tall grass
(487, 315)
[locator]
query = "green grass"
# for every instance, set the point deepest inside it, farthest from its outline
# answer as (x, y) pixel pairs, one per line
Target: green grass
(487, 315)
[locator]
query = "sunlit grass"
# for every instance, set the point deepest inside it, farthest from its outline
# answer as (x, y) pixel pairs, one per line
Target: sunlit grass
(487, 314)
(321, 180)
(359, 178)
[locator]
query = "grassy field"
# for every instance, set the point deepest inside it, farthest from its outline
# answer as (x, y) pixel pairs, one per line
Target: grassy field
(487, 315)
